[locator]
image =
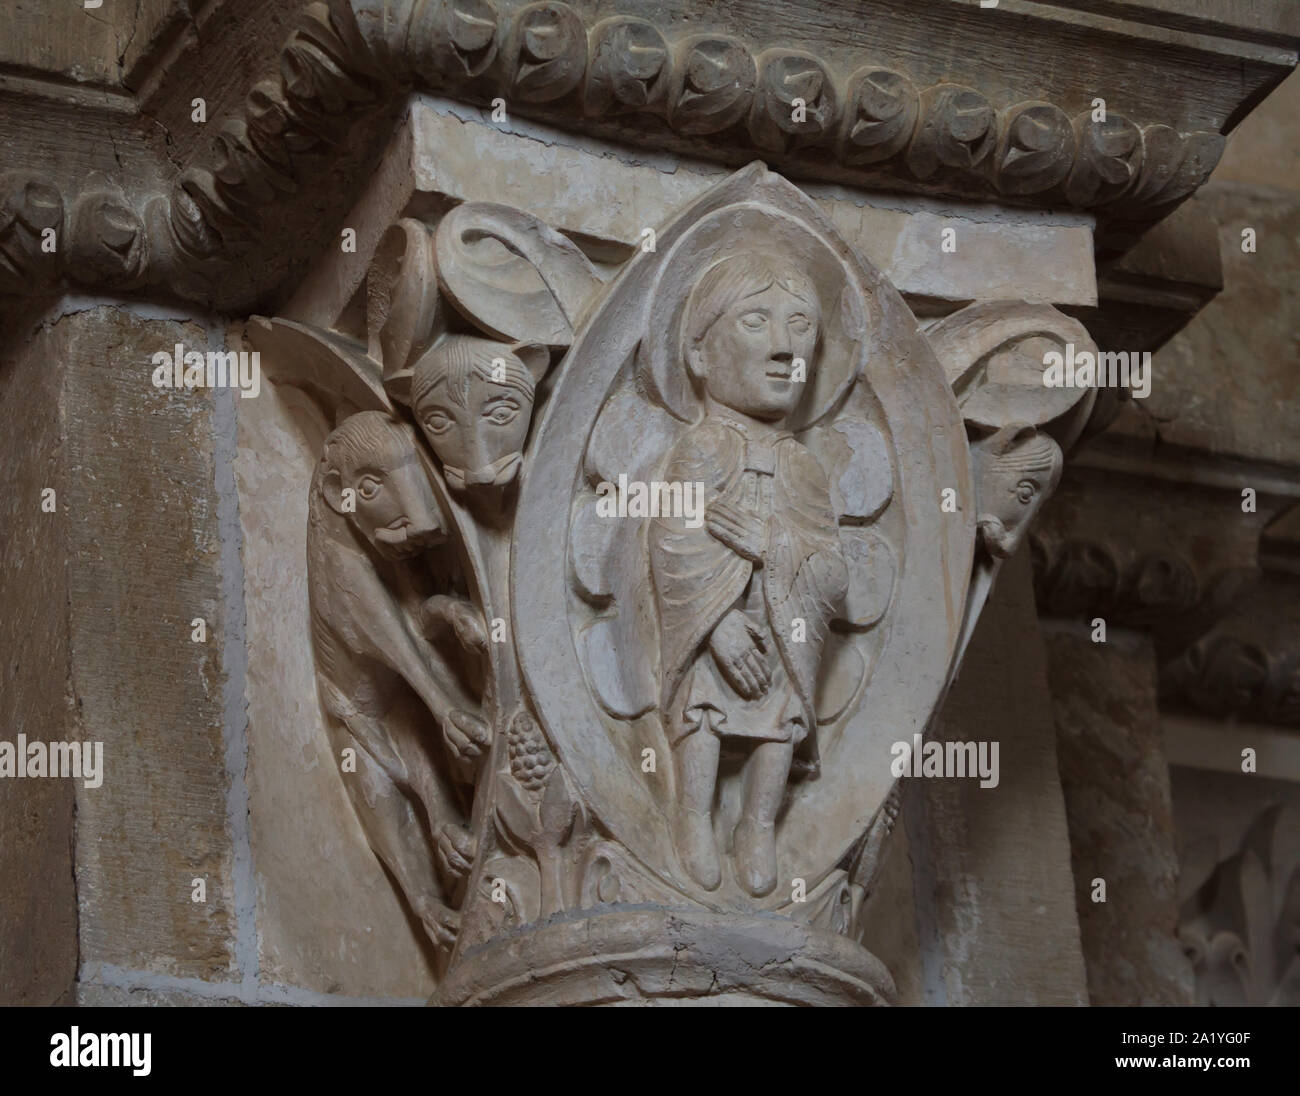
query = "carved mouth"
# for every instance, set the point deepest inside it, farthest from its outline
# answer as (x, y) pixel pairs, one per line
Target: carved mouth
(396, 533)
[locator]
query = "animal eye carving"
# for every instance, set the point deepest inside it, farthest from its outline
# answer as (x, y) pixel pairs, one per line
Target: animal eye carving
(369, 487)
(437, 422)
(1025, 491)
(502, 414)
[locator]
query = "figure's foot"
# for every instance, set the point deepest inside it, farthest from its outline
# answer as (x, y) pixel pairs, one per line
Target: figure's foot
(442, 924)
(698, 851)
(755, 845)
(455, 851)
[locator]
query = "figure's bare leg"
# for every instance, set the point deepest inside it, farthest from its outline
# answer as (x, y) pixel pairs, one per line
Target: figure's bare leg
(696, 759)
(766, 774)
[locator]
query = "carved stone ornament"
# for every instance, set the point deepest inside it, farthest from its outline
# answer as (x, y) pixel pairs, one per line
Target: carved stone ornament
(1241, 927)
(624, 586)
(868, 117)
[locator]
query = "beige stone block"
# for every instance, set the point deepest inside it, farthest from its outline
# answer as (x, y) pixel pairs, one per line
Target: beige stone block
(605, 201)
(608, 201)
(38, 914)
(328, 918)
(139, 510)
(1262, 150)
(998, 913)
(97, 996)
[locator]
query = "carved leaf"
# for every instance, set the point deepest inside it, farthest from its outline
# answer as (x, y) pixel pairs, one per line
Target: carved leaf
(516, 814)
(512, 275)
(404, 313)
(336, 372)
(557, 810)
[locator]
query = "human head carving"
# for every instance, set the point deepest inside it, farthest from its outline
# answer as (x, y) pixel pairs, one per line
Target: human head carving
(473, 399)
(371, 473)
(751, 318)
(1017, 468)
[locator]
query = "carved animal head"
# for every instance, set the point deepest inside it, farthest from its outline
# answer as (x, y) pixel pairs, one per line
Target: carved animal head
(1016, 469)
(750, 321)
(371, 473)
(473, 398)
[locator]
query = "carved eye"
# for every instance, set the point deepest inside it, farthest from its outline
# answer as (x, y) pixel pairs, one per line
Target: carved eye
(369, 487)
(1026, 490)
(437, 422)
(800, 324)
(753, 321)
(502, 414)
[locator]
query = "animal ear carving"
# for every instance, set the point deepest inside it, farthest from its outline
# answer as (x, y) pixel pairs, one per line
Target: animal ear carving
(332, 489)
(535, 356)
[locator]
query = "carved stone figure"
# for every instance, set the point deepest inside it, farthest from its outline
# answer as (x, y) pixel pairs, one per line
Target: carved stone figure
(644, 633)
(1240, 924)
(473, 398)
(745, 602)
(372, 519)
(1016, 469)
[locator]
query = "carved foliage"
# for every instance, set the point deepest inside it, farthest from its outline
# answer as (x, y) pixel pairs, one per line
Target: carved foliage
(30, 210)
(548, 52)
(685, 706)
(794, 103)
(1079, 577)
(713, 84)
(341, 56)
(880, 114)
(630, 69)
(1241, 929)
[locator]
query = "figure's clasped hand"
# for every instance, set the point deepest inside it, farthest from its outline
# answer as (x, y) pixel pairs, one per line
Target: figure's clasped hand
(741, 530)
(741, 654)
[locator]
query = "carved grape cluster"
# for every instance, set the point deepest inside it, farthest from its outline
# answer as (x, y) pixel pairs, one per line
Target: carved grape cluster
(531, 760)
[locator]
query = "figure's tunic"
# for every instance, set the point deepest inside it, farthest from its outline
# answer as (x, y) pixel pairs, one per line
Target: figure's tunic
(698, 580)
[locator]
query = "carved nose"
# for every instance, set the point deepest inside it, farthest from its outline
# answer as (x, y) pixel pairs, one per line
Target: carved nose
(477, 451)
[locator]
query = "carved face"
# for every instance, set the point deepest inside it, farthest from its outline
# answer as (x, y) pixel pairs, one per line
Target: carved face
(376, 479)
(1018, 469)
(474, 400)
(758, 356)
(479, 442)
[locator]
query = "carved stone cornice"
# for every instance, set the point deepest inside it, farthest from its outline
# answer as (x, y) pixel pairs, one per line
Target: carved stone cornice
(876, 113)
(1213, 585)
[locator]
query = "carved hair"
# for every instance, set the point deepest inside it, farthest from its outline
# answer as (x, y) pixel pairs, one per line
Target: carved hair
(366, 434)
(736, 278)
(458, 358)
(1021, 448)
